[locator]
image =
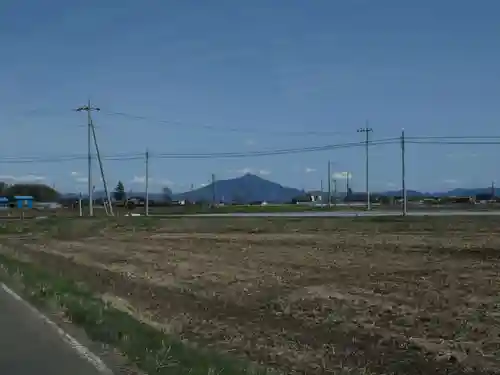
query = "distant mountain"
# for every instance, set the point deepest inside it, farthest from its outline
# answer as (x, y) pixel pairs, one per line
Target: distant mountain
(470, 192)
(458, 192)
(250, 188)
(409, 193)
(245, 189)
(100, 194)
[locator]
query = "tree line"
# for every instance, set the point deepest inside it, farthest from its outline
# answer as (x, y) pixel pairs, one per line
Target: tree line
(39, 192)
(45, 193)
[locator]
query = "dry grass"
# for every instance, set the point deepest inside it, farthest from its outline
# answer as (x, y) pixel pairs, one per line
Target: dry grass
(315, 296)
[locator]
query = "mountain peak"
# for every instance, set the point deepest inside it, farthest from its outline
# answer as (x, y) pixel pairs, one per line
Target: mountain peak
(244, 189)
(249, 175)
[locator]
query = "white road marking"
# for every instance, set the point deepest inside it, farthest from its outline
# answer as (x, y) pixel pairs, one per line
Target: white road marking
(82, 351)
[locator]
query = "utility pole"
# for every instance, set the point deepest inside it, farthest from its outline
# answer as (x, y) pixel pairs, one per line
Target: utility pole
(329, 184)
(346, 184)
(335, 190)
(213, 190)
(403, 173)
(146, 204)
(89, 109)
(347, 195)
(367, 132)
(321, 192)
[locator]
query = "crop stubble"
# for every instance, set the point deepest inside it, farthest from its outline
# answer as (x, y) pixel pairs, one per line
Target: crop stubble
(303, 295)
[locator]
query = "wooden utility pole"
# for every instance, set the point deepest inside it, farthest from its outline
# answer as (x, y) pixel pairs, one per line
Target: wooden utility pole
(101, 168)
(329, 184)
(335, 191)
(146, 203)
(403, 174)
(213, 190)
(367, 132)
(88, 108)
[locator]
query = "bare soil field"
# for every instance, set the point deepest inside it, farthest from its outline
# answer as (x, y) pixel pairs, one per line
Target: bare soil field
(303, 295)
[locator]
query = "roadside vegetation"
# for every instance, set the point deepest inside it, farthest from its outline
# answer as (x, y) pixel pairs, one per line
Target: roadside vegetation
(146, 347)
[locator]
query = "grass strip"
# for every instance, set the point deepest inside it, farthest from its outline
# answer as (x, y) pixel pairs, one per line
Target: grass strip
(149, 349)
(242, 209)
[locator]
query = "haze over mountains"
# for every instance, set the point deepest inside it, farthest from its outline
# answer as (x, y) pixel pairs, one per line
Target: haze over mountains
(251, 188)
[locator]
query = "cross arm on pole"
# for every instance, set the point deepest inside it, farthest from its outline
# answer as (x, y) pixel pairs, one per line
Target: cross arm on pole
(87, 108)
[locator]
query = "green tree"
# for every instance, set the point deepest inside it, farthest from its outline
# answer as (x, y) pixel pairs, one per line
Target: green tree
(39, 192)
(119, 192)
(167, 194)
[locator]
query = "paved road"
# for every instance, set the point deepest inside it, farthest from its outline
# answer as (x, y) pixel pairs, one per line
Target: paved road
(29, 345)
(344, 214)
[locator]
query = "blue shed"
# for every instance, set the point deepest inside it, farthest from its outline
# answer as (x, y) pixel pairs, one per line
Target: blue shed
(24, 201)
(4, 202)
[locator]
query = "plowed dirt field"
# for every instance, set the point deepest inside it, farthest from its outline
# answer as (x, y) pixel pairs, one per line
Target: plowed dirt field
(315, 296)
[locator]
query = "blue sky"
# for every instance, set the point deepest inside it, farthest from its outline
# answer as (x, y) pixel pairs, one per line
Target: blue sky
(260, 68)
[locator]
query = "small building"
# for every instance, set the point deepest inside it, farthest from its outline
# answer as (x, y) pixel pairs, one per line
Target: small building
(462, 199)
(4, 202)
(24, 201)
(484, 198)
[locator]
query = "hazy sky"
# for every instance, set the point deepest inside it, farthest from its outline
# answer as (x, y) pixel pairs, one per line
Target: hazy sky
(231, 76)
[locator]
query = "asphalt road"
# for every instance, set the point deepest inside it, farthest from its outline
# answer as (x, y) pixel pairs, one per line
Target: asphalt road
(344, 214)
(29, 345)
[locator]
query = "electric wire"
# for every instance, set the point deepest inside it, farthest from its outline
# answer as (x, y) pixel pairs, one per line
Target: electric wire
(451, 140)
(444, 142)
(151, 120)
(453, 137)
(208, 155)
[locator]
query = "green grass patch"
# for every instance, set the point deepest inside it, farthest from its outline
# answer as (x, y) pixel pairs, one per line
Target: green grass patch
(148, 348)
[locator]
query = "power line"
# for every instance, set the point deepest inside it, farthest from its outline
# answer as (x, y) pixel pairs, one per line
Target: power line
(278, 151)
(445, 142)
(151, 120)
(63, 158)
(225, 129)
(455, 137)
(210, 155)
(250, 154)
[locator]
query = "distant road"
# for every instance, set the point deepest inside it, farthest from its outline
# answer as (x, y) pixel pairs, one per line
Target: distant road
(29, 345)
(344, 214)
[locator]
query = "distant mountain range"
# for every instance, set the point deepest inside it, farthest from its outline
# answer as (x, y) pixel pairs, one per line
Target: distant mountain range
(458, 192)
(250, 188)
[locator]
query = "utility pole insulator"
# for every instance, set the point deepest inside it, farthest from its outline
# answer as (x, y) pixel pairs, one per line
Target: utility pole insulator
(87, 108)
